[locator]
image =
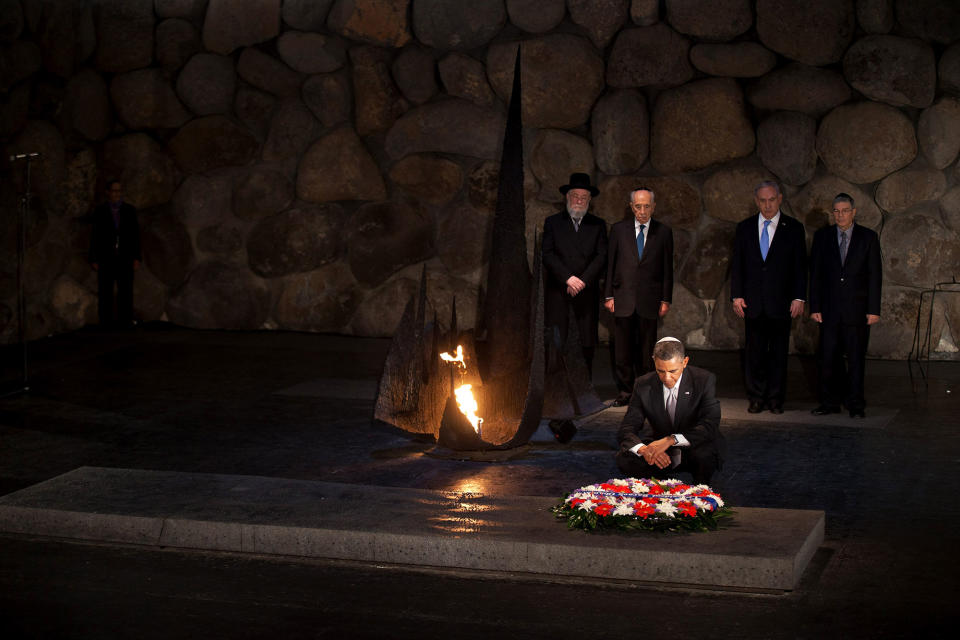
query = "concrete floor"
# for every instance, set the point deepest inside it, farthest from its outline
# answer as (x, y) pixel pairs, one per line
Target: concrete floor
(219, 402)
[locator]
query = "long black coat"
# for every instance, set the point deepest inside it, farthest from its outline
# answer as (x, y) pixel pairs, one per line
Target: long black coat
(846, 292)
(112, 246)
(640, 284)
(768, 287)
(568, 252)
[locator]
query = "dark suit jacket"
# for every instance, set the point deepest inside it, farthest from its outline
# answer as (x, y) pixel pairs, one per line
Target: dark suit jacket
(112, 246)
(567, 252)
(845, 292)
(768, 287)
(697, 416)
(639, 284)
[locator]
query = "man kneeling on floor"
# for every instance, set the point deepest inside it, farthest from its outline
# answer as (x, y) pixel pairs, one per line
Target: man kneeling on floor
(673, 421)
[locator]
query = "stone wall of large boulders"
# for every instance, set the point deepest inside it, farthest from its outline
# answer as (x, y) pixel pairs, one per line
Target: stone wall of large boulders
(296, 163)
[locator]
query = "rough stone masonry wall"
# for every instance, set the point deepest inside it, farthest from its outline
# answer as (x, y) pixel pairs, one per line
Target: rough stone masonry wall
(297, 162)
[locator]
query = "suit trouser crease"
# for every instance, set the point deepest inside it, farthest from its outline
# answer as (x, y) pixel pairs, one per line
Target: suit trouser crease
(767, 344)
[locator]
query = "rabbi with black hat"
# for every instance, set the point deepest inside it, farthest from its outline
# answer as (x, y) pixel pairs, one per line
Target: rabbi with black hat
(574, 260)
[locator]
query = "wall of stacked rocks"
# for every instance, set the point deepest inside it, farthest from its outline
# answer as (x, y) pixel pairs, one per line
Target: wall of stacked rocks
(297, 162)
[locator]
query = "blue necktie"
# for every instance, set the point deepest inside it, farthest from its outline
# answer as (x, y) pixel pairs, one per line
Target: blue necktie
(764, 240)
(640, 242)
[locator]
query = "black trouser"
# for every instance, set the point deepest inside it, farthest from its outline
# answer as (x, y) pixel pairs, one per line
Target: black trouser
(767, 344)
(701, 462)
(107, 275)
(839, 380)
(633, 340)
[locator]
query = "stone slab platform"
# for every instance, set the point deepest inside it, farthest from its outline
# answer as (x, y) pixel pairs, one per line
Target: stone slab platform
(763, 550)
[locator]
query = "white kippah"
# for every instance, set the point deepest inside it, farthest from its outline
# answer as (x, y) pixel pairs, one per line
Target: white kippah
(667, 339)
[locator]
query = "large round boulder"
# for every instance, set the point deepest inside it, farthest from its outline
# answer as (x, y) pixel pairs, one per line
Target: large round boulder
(339, 167)
(536, 16)
(385, 237)
(918, 250)
(813, 205)
(655, 55)
(429, 178)
(699, 124)
(621, 131)
(297, 240)
(728, 192)
(457, 25)
(601, 19)
(321, 300)
(949, 69)
(203, 200)
(463, 239)
(231, 24)
(148, 174)
(377, 101)
(865, 141)
(686, 319)
(177, 41)
(448, 126)
(380, 22)
(716, 20)
(292, 129)
(798, 87)
(893, 336)
(934, 20)
(816, 32)
(86, 105)
(561, 77)
(786, 145)
(891, 69)
(126, 34)
(708, 261)
(144, 99)
(330, 97)
(465, 77)
(902, 189)
(736, 60)
(167, 248)
(875, 16)
(556, 154)
(211, 142)
(66, 34)
(73, 304)
(254, 109)
(414, 71)
(207, 84)
(938, 132)
(311, 52)
(264, 191)
(263, 71)
(306, 15)
(220, 296)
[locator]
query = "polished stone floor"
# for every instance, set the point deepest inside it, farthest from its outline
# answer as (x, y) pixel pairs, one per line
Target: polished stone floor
(297, 406)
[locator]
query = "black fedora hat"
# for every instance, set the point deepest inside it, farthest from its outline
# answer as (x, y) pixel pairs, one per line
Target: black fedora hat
(579, 181)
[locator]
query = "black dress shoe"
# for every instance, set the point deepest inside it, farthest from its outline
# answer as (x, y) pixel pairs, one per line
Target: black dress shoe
(621, 401)
(756, 406)
(824, 409)
(777, 408)
(857, 413)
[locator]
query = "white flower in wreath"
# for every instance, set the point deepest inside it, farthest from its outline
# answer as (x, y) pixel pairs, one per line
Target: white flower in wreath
(666, 508)
(623, 510)
(586, 506)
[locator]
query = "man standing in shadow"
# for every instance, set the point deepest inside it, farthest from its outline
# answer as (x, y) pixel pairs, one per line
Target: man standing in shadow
(845, 278)
(115, 255)
(574, 259)
(768, 284)
(639, 288)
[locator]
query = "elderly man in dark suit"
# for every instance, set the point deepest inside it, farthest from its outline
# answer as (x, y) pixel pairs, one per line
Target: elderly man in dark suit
(574, 258)
(673, 422)
(639, 288)
(115, 255)
(768, 284)
(845, 278)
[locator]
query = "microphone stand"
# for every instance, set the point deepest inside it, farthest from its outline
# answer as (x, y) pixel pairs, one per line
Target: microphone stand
(21, 254)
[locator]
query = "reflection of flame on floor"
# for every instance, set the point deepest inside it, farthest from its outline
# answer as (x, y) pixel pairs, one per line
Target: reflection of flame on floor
(464, 393)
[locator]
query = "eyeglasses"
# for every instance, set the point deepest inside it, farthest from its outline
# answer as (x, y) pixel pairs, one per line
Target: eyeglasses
(842, 212)
(578, 198)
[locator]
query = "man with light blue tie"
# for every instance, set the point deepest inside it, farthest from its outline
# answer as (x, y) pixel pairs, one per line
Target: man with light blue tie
(639, 288)
(768, 283)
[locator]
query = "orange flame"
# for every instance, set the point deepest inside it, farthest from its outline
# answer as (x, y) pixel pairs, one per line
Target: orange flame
(464, 394)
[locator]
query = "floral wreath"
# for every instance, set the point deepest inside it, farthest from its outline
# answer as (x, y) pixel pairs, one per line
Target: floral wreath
(643, 505)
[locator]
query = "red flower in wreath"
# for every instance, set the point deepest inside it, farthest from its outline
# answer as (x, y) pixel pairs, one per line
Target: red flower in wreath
(686, 508)
(620, 488)
(603, 509)
(642, 510)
